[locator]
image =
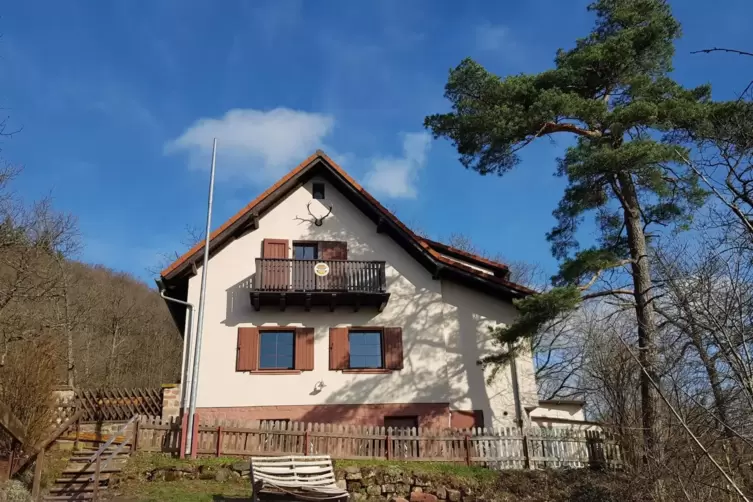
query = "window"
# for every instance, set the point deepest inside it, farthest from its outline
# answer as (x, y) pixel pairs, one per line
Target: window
(401, 422)
(365, 349)
(318, 190)
(305, 251)
(276, 350)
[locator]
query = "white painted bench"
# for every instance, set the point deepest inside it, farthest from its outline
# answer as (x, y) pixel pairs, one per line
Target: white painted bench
(301, 478)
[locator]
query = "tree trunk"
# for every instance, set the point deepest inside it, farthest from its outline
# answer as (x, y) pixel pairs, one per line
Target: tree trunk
(69, 333)
(644, 313)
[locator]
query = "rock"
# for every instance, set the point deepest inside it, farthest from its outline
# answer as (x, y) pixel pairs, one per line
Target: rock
(354, 486)
(207, 472)
(353, 476)
(235, 475)
(222, 475)
(353, 469)
(374, 490)
(453, 495)
(341, 484)
(173, 475)
(417, 489)
(358, 497)
(421, 482)
(403, 489)
(422, 497)
(157, 475)
(398, 499)
(441, 493)
(388, 488)
(368, 481)
(241, 467)
(466, 491)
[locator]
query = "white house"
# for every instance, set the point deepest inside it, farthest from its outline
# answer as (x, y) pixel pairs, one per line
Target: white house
(322, 306)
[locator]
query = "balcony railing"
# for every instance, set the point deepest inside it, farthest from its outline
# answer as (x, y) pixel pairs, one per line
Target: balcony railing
(279, 274)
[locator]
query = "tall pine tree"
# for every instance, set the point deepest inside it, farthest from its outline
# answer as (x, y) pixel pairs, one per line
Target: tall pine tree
(613, 93)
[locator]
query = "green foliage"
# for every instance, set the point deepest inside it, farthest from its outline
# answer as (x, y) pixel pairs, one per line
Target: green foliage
(585, 264)
(535, 311)
(612, 91)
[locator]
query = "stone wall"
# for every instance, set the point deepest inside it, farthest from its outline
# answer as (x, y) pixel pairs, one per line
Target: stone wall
(170, 401)
(402, 485)
(423, 482)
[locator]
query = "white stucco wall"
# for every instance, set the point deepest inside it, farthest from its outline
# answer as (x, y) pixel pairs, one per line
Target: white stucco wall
(445, 325)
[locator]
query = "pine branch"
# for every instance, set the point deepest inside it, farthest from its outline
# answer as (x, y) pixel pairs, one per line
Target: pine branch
(551, 127)
(610, 292)
(601, 271)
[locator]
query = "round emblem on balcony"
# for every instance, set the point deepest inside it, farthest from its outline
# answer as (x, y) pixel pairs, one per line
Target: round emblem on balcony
(321, 269)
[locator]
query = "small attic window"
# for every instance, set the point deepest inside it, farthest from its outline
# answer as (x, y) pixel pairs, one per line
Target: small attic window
(318, 189)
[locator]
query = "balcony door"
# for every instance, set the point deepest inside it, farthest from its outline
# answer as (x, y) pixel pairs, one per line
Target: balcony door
(303, 272)
(276, 271)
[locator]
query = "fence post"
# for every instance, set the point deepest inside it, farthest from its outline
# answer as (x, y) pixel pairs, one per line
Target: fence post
(135, 445)
(467, 449)
(526, 451)
(12, 457)
(219, 441)
(195, 437)
(183, 432)
(37, 482)
(306, 442)
(78, 432)
(97, 470)
(388, 450)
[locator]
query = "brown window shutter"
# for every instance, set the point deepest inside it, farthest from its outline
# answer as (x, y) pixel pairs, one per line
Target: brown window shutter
(333, 250)
(304, 349)
(275, 248)
(339, 351)
(247, 358)
(393, 348)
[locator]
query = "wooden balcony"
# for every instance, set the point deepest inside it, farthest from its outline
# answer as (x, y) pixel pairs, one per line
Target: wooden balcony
(283, 282)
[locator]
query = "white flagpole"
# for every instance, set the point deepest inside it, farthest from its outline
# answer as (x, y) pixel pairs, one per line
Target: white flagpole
(192, 425)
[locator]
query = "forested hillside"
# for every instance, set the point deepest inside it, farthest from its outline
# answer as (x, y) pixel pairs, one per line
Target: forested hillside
(67, 322)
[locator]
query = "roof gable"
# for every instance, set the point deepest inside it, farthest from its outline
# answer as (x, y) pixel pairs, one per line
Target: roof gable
(441, 260)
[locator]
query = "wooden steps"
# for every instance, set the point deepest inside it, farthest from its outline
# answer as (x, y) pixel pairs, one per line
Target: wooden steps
(76, 482)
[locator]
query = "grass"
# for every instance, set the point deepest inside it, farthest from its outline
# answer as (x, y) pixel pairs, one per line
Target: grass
(134, 488)
(142, 462)
(434, 470)
(185, 491)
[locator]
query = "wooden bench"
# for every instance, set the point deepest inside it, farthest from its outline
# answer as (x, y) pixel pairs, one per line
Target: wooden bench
(295, 477)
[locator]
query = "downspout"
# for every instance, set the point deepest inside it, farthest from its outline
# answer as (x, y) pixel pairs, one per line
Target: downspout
(185, 379)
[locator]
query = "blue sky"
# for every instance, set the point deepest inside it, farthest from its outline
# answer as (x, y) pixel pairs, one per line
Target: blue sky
(119, 100)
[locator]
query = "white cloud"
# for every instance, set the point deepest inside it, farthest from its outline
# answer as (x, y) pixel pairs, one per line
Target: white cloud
(396, 177)
(253, 144)
(493, 37)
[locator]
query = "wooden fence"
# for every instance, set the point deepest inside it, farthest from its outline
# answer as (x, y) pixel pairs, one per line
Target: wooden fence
(112, 404)
(499, 448)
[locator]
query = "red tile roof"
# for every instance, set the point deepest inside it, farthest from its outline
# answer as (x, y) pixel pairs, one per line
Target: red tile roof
(433, 248)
